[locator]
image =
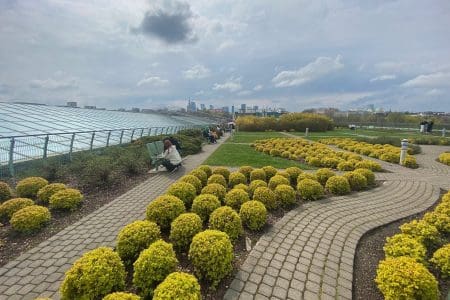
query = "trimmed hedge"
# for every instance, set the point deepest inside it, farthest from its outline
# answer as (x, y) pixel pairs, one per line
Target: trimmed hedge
(338, 185)
(277, 180)
(286, 195)
(122, 296)
(219, 179)
(235, 198)
(29, 187)
(236, 178)
(254, 185)
(323, 175)
(404, 245)
(227, 220)
(184, 191)
(253, 215)
(178, 285)
(267, 197)
(68, 199)
(310, 189)
(204, 205)
(183, 229)
(30, 219)
(194, 181)
(257, 174)
(164, 209)
(5, 192)
(441, 259)
(9, 207)
(222, 171)
(49, 190)
(215, 189)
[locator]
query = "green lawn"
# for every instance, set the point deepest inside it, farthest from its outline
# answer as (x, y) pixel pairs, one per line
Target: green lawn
(236, 155)
(250, 137)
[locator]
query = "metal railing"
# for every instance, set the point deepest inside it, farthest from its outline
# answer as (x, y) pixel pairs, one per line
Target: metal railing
(21, 148)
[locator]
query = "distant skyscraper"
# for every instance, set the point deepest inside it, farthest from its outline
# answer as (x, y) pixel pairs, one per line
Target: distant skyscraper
(202, 106)
(191, 107)
(255, 108)
(211, 107)
(232, 109)
(71, 104)
(243, 108)
(226, 109)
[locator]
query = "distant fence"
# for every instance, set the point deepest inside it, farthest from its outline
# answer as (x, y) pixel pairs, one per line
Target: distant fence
(390, 125)
(22, 148)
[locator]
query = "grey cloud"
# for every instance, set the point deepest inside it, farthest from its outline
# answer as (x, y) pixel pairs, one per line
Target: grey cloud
(172, 24)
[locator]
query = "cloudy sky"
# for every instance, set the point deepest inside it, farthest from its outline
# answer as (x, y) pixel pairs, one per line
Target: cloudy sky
(291, 53)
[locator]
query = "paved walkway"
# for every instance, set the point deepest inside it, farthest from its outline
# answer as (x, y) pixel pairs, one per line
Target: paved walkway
(309, 253)
(39, 271)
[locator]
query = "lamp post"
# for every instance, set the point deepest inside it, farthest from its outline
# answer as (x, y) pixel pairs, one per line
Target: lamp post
(403, 150)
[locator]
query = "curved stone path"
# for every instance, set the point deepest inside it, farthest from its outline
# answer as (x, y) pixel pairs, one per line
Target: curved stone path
(309, 253)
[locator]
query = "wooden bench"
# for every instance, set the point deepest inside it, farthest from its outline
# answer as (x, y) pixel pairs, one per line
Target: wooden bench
(155, 149)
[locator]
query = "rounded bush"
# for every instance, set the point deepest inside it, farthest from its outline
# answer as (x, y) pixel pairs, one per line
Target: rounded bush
(338, 185)
(246, 170)
(235, 198)
(275, 152)
(134, 238)
(254, 185)
(153, 265)
(257, 174)
(441, 259)
(211, 253)
(9, 207)
(370, 177)
(410, 162)
(323, 175)
(215, 189)
(184, 191)
(369, 164)
(49, 190)
(307, 176)
(310, 189)
(30, 218)
(200, 174)
(222, 171)
(121, 296)
(285, 195)
(227, 220)
(66, 199)
(194, 181)
(253, 215)
(217, 178)
(267, 197)
(236, 178)
(164, 209)
(283, 174)
(204, 205)
(29, 187)
(183, 229)
(345, 166)
(270, 172)
(205, 168)
(404, 245)
(277, 180)
(96, 274)
(293, 174)
(241, 186)
(439, 220)
(5, 192)
(178, 285)
(356, 180)
(422, 231)
(404, 278)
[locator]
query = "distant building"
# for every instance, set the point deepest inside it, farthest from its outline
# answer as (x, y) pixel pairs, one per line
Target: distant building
(202, 106)
(191, 107)
(255, 108)
(72, 104)
(226, 109)
(232, 109)
(211, 107)
(243, 108)
(121, 109)
(90, 106)
(135, 109)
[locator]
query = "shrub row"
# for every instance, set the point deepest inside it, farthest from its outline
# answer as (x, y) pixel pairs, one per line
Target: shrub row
(288, 122)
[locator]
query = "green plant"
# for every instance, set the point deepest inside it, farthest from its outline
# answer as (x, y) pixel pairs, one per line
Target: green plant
(206, 169)
(370, 177)
(5, 192)
(235, 198)
(267, 197)
(323, 175)
(66, 199)
(204, 205)
(257, 174)
(310, 189)
(178, 285)
(253, 214)
(277, 180)
(404, 278)
(246, 170)
(222, 171)
(286, 195)
(338, 185)
(345, 166)
(270, 172)
(227, 220)
(30, 219)
(369, 164)
(356, 180)
(283, 174)
(47, 191)
(122, 296)
(29, 187)
(422, 231)
(164, 209)
(254, 185)
(307, 176)
(215, 189)
(241, 186)
(441, 259)
(200, 174)
(219, 179)
(293, 172)
(183, 229)
(211, 253)
(404, 245)
(94, 275)
(439, 220)
(152, 266)
(194, 181)
(134, 238)
(98, 172)
(184, 191)
(236, 178)
(410, 162)
(9, 207)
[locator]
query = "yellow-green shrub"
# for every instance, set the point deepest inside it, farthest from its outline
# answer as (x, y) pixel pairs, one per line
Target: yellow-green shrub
(441, 259)
(267, 197)
(369, 164)
(204, 205)
(270, 172)
(253, 214)
(194, 181)
(205, 168)
(211, 254)
(5, 191)
(310, 189)
(345, 166)
(283, 174)
(285, 195)
(122, 296)
(219, 179)
(370, 177)
(236, 178)
(330, 162)
(293, 174)
(235, 198)
(66, 199)
(200, 174)
(47, 191)
(439, 220)
(164, 209)
(277, 180)
(307, 176)
(405, 245)
(94, 275)
(215, 189)
(9, 207)
(152, 266)
(30, 218)
(404, 278)
(445, 158)
(275, 152)
(227, 220)
(254, 185)
(241, 186)
(410, 162)
(184, 191)
(338, 185)
(357, 180)
(246, 170)
(28, 187)
(257, 174)
(422, 231)
(222, 171)
(183, 229)
(178, 285)
(323, 175)
(134, 238)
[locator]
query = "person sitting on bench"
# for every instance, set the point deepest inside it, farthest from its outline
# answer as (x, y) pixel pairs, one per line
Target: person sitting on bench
(171, 157)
